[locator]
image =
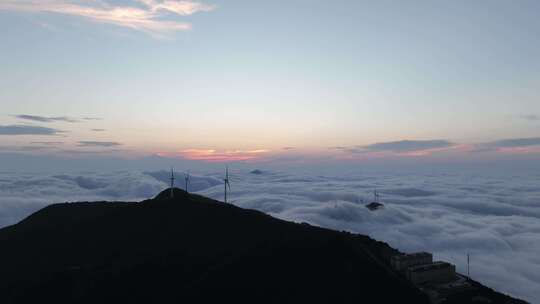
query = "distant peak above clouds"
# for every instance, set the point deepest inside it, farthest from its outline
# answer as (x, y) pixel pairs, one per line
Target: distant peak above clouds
(155, 17)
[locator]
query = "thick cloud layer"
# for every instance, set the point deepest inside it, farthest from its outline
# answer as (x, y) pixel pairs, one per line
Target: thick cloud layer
(196, 183)
(495, 218)
(22, 194)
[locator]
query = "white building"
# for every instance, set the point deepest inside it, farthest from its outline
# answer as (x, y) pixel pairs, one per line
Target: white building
(437, 272)
(404, 261)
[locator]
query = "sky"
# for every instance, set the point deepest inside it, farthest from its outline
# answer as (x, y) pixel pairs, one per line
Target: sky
(225, 81)
(434, 103)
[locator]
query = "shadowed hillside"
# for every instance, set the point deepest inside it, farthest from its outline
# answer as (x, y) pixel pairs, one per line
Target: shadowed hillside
(186, 250)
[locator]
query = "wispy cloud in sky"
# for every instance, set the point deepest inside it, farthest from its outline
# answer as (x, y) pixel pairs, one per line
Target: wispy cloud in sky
(408, 145)
(516, 142)
(513, 145)
(46, 119)
(402, 147)
(48, 143)
(149, 16)
(31, 148)
(27, 130)
(105, 144)
(530, 117)
(182, 8)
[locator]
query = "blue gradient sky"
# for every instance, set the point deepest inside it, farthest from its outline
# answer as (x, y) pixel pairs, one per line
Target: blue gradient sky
(244, 79)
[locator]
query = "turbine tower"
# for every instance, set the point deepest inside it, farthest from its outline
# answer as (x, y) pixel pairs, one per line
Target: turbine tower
(226, 182)
(376, 195)
(468, 267)
(187, 178)
(172, 183)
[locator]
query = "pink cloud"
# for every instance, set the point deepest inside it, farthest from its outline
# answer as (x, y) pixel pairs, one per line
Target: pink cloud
(182, 8)
(148, 19)
(519, 150)
(428, 152)
(211, 155)
(359, 156)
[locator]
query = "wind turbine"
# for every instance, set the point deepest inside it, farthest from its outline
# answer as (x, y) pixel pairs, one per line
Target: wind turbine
(187, 178)
(468, 266)
(172, 182)
(226, 182)
(376, 195)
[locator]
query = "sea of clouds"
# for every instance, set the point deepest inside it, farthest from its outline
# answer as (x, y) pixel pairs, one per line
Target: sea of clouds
(494, 217)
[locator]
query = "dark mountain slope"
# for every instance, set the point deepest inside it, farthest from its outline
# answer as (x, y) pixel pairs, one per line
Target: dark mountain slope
(188, 250)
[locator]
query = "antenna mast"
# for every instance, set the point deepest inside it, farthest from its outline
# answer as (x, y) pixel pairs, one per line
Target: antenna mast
(226, 182)
(172, 182)
(187, 178)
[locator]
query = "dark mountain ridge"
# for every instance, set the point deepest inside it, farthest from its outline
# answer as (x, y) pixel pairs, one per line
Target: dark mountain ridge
(191, 249)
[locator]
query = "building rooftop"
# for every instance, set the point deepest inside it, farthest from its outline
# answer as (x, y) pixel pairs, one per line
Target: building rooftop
(432, 266)
(411, 256)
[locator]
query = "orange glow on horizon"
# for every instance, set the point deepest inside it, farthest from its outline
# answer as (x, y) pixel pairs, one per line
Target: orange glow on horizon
(211, 155)
(321, 154)
(428, 152)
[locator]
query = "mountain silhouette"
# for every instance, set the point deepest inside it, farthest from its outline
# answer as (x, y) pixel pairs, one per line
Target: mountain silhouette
(192, 249)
